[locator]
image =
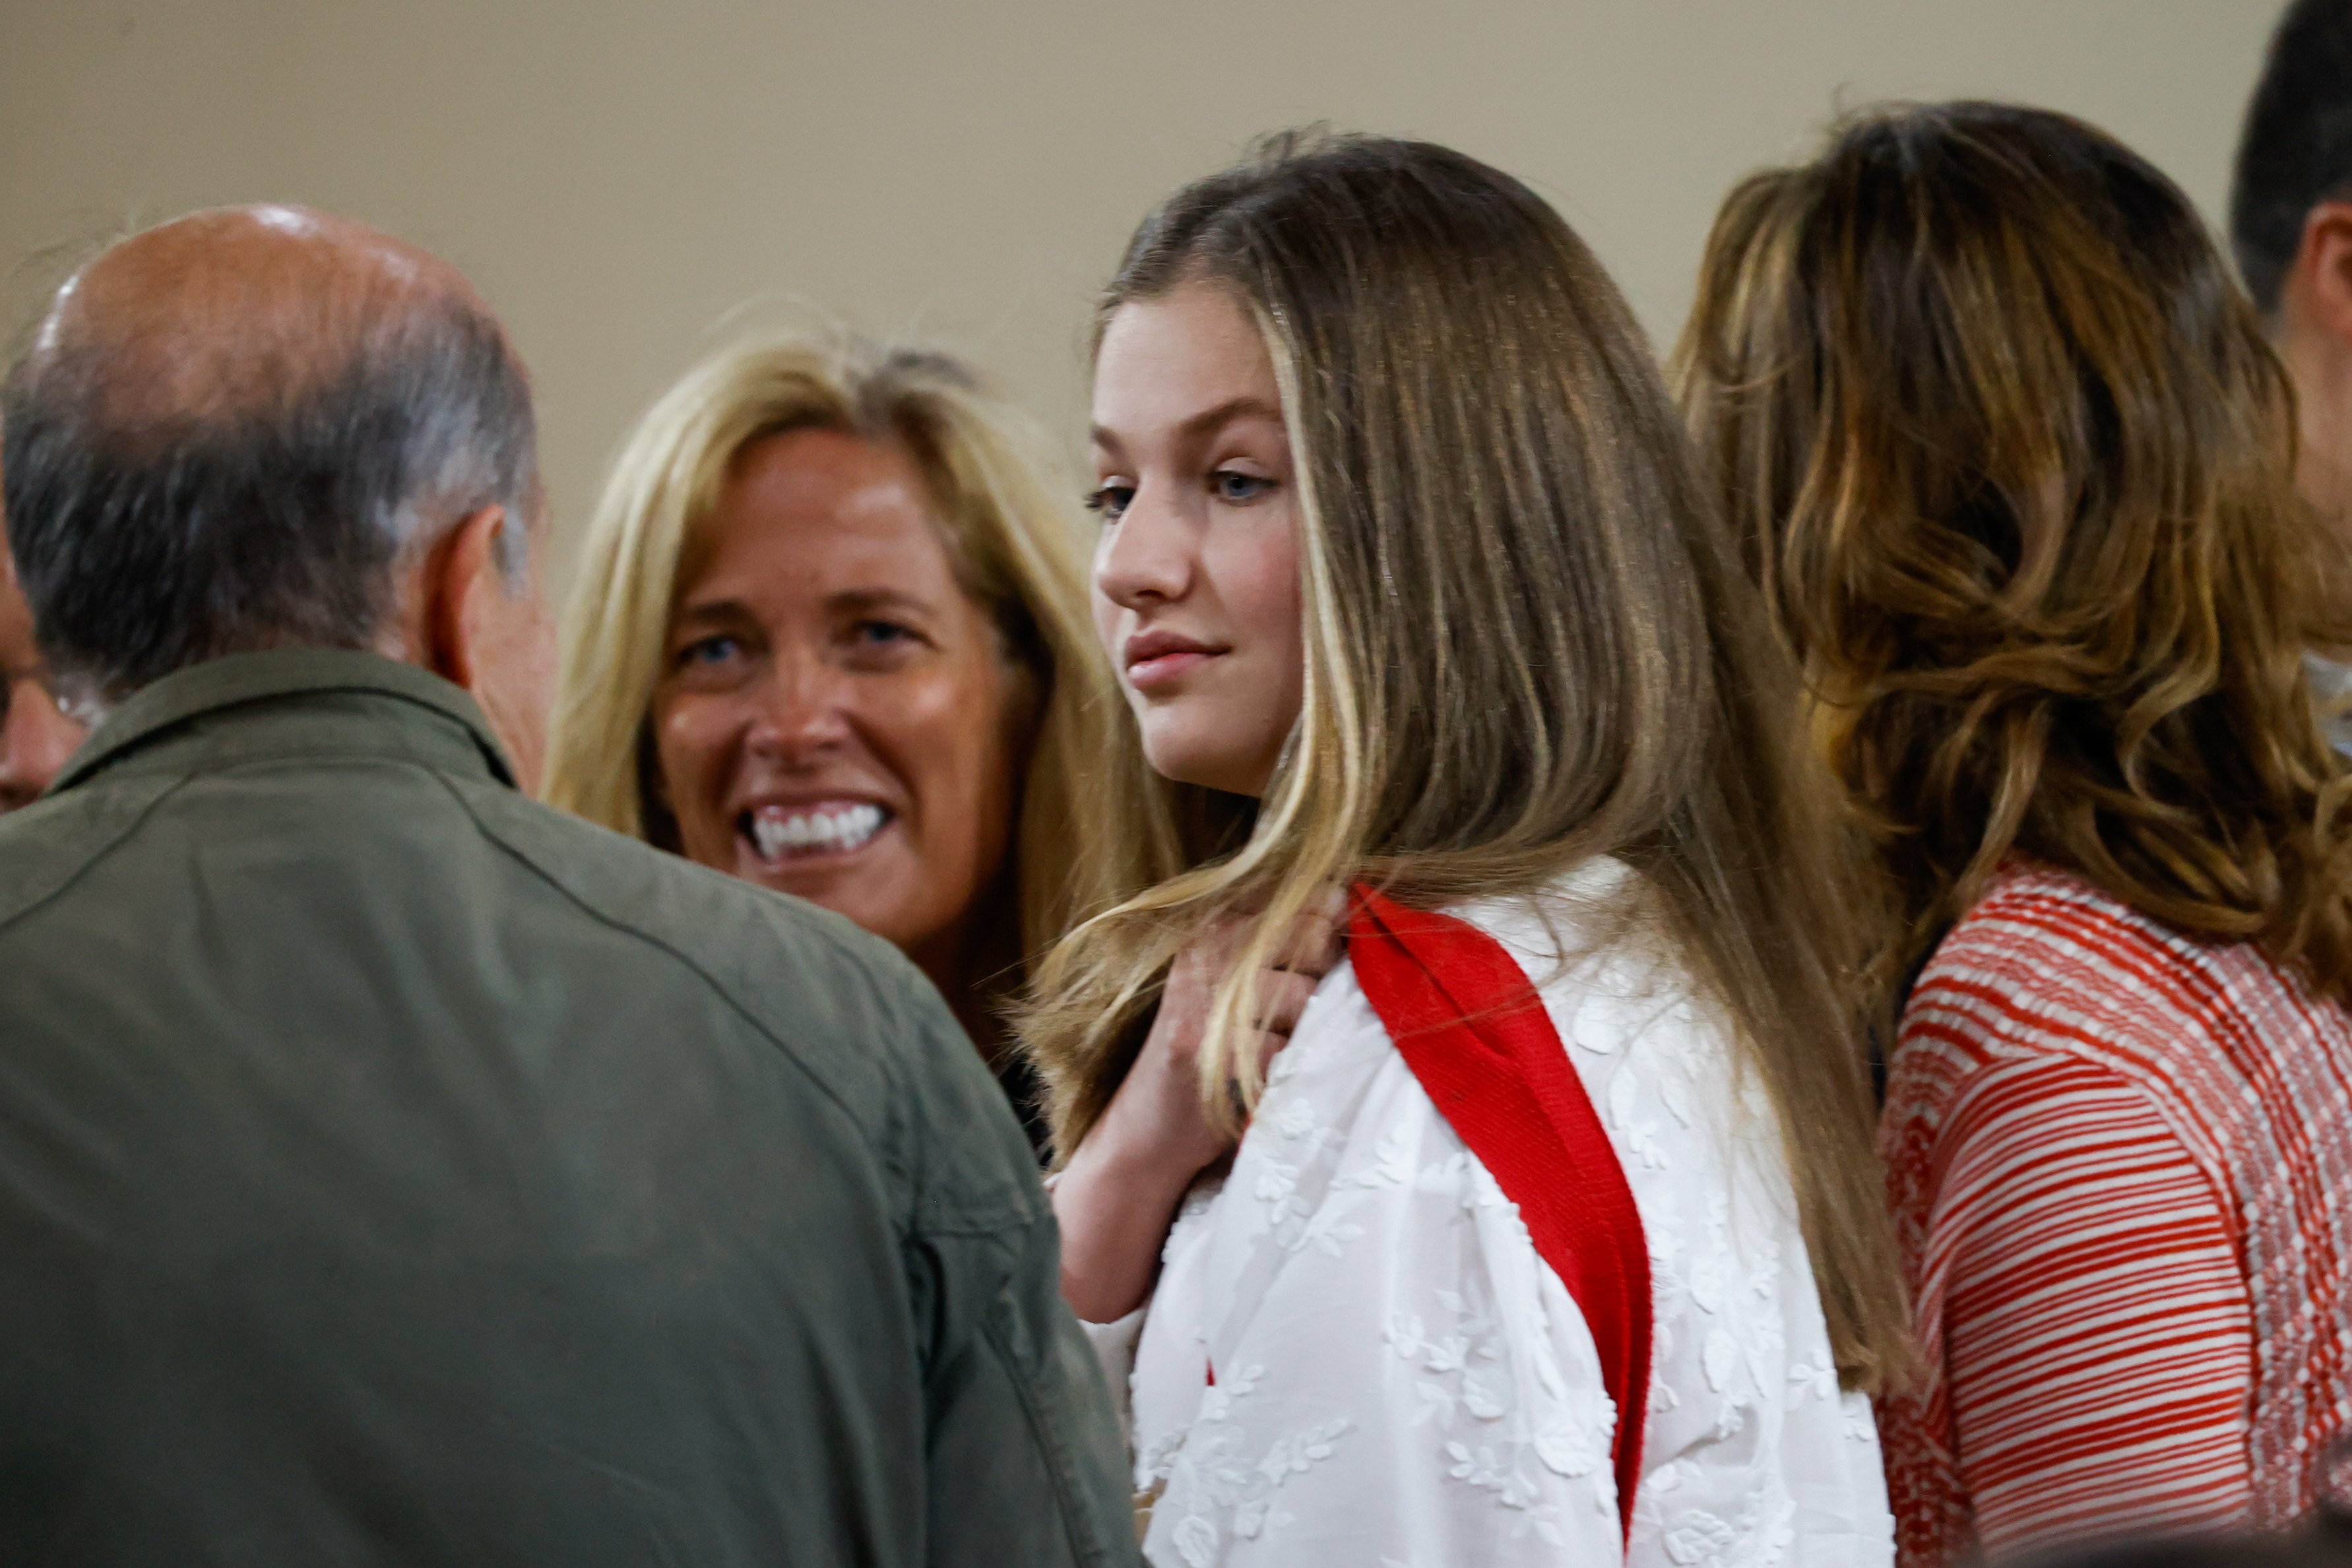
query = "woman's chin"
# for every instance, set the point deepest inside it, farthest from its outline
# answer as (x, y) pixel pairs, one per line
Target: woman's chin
(1207, 738)
(869, 886)
(1211, 767)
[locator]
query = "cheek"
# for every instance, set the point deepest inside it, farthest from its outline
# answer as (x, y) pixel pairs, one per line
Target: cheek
(694, 748)
(958, 758)
(955, 736)
(1109, 618)
(1261, 591)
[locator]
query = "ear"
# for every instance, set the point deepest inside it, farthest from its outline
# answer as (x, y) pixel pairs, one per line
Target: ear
(459, 590)
(2320, 290)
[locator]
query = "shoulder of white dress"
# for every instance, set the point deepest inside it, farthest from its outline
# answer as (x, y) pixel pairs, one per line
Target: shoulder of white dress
(1576, 909)
(1587, 934)
(1338, 1030)
(1598, 883)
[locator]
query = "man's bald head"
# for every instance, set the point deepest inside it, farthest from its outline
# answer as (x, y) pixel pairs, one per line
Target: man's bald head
(231, 312)
(230, 430)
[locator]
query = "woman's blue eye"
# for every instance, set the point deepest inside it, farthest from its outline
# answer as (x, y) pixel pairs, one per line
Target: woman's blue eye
(882, 633)
(1111, 501)
(709, 651)
(1232, 486)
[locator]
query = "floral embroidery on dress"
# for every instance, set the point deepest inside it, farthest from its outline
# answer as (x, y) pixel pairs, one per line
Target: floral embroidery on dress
(1414, 1387)
(1228, 1491)
(1755, 1534)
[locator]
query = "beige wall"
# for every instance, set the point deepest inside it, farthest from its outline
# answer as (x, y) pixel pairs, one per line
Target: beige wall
(619, 177)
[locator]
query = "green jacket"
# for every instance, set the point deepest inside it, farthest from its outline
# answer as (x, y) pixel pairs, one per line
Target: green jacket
(393, 1170)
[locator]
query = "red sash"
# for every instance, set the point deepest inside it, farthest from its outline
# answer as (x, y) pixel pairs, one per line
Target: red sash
(1473, 1030)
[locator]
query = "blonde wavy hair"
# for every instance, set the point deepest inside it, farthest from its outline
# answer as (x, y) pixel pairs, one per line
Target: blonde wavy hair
(2013, 462)
(1529, 642)
(1093, 824)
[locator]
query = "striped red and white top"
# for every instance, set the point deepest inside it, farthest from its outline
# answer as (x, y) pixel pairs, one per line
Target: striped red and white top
(2121, 1166)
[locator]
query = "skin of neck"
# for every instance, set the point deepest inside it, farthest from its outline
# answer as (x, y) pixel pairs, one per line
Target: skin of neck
(972, 961)
(2312, 330)
(2321, 364)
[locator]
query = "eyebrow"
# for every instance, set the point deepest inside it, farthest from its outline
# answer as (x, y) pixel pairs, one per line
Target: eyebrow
(1207, 419)
(877, 598)
(847, 599)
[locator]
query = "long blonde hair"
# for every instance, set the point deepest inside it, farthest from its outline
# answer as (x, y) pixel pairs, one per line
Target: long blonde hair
(1093, 825)
(1529, 642)
(2013, 462)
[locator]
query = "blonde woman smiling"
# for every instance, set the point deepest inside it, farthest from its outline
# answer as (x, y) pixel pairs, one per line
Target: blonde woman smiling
(1554, 1234)
(830, 635)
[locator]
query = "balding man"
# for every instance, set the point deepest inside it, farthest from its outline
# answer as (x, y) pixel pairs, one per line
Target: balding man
(394, 1171)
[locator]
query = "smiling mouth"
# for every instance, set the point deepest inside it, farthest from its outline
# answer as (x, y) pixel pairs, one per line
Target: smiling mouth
(787, 835)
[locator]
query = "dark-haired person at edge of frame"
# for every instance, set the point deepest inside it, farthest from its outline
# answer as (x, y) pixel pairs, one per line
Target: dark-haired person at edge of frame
(2290, 227)
(2011, 457)
(35, 735)
(398, 1170)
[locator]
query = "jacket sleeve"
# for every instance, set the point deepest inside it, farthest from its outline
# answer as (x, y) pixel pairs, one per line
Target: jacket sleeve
(1025, 1461)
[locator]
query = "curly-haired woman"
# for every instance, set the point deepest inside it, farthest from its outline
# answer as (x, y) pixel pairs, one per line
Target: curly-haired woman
(2014, 465)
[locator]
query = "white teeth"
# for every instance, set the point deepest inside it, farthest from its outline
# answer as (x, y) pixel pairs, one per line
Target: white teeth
(780, 833)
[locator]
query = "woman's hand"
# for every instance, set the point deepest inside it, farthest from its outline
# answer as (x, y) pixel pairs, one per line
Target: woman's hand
(1119, 1194)
(1158, 1116)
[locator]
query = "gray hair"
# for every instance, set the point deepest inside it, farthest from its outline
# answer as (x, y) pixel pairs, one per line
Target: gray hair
(150, 539)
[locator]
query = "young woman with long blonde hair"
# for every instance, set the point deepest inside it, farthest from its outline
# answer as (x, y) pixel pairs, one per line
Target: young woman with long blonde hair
(1407, 573)
(2015, 466)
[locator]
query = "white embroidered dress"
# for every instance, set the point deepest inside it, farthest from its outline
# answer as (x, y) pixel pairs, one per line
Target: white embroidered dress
(1402, 1382)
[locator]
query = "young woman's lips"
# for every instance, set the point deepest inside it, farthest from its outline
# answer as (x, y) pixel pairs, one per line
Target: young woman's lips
(1163, 669)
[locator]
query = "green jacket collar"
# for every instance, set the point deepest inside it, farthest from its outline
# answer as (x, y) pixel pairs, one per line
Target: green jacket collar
(425, 715)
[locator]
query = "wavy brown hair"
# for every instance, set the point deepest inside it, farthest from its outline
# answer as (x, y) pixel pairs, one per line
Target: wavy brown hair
(1529, 642)
(2005, 446)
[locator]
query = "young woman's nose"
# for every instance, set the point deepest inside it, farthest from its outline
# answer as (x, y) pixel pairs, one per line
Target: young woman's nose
(1148, 556)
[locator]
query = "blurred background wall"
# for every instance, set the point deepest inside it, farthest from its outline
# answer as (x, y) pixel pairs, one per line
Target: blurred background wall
(624, 179)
